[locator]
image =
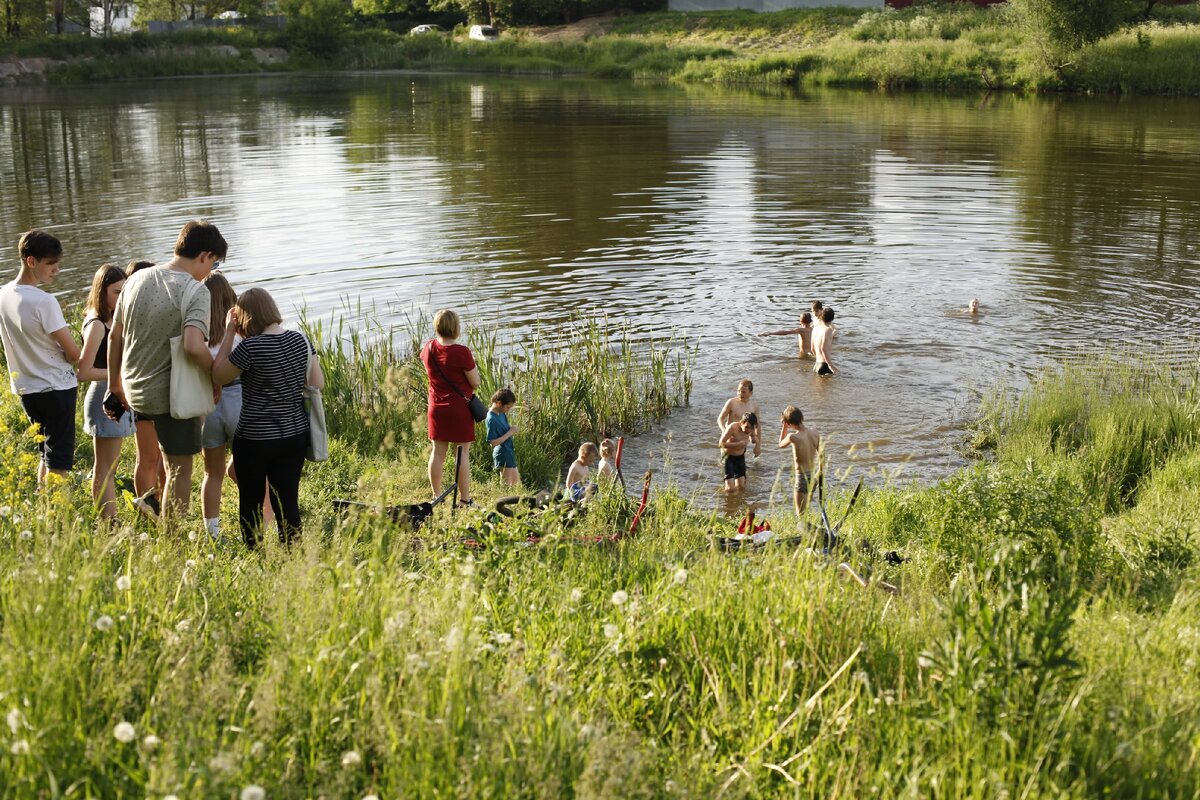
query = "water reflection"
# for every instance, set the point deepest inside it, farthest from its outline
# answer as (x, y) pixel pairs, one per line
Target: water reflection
(717, 215)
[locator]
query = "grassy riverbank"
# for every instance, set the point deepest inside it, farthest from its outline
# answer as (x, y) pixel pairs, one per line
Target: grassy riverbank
(956, 46)
(1044, 642)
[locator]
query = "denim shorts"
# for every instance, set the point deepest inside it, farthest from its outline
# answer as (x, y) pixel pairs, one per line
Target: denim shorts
(220, 425)
(96, 423)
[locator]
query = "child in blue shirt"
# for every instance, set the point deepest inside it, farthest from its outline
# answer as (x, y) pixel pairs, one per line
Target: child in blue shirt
(499, 435)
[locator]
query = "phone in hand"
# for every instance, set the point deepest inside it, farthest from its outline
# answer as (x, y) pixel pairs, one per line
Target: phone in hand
(113, 406)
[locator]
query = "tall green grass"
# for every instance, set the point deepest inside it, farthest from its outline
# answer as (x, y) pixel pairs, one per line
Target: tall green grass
(368, 660)
(1111, 420)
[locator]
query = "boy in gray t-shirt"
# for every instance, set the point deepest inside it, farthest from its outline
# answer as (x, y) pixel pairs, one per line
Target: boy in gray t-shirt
(148, 314)
(41, 352)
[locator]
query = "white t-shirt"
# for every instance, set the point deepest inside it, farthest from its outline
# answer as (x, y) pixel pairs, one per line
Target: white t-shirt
(36, 363)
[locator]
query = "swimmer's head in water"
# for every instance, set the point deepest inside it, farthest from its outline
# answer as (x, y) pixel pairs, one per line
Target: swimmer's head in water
(973, 306)
(793, 416)
(745, 388)
(750, 419)
(806, 318)
(827, 316)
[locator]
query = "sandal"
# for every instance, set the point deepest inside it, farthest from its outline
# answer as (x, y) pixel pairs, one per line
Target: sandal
(466, 504)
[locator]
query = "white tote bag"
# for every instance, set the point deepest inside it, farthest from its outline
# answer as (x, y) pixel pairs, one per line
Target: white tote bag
(191, 385)
(314, 404)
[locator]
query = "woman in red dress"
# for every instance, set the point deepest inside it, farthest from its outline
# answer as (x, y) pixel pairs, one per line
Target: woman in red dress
(453, 378)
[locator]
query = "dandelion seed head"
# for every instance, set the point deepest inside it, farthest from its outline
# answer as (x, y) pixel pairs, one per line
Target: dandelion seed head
(20, 748)
(190, 563)
(103, 623)
(123, 583)
(15, 720)
(611, 631)
(504, 638)
(253, 792)
(151, 742)
(26, 535)
(351, 758)
(123, 732)
(680, 576)
(576, 595)
(620, 597)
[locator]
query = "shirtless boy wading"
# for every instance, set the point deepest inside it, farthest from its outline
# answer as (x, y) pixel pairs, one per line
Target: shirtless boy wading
(734, 441)
(740, 405)
(806, 445)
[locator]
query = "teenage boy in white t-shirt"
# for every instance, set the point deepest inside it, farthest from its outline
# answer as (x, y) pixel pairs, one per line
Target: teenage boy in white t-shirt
(41, 352)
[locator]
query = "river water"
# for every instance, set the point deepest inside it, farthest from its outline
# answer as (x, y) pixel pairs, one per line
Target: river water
(714, 215)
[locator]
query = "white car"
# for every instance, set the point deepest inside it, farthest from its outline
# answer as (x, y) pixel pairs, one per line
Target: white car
(423, 29)
(484, 33)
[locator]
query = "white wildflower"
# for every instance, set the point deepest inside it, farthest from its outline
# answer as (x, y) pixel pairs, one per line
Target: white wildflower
(104, 623)
(26, 535)
(257, 749)
(223, 763)
(351, 758)
(192, 538)
(611, 631)
(454, 638)
(253, 792)
(503, 638)
(151, 742)
(20, 748)
(190, 563)
(370, 797)
(15, 720)
(171, 797)
(183, 626)
(124, 732)
(576, 595)
(680, 576)
(619, 597)
(123, 583)
(5, 511)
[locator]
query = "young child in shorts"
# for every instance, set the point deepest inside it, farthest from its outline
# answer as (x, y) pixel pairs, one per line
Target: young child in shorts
(577, 476)
(806, 446)
(41, 351)
(734, 441)
(500, 435)
(608, 462)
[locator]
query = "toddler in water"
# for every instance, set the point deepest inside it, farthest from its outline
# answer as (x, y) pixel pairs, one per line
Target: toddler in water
(608, 464)
(499, 435)
(577, 475)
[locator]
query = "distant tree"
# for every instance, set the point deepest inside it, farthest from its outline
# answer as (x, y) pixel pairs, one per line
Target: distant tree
(410, 7)
(316, 26)
(22, 18)
(1062, 26)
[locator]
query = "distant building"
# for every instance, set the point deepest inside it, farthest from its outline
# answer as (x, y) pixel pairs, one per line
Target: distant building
(766, 5)
(122, 19)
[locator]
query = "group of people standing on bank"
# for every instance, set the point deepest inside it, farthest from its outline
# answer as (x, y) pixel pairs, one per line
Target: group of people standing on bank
(257, 369)
(258, 372)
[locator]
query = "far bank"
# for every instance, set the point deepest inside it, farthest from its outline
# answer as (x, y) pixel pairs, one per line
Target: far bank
(951, 48)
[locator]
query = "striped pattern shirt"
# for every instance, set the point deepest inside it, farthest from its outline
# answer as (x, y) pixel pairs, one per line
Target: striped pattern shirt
(274, 368)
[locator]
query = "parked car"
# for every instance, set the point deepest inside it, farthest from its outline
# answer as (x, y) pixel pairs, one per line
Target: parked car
(484, 33)
(423, 29)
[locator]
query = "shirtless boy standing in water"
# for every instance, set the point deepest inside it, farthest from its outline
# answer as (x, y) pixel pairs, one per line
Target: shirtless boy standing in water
(803, 334)
(822, 342)
(733, 449)
(805, 444)
(739, 406)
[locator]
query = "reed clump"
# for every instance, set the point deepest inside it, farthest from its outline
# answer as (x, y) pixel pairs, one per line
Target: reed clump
(581, 381)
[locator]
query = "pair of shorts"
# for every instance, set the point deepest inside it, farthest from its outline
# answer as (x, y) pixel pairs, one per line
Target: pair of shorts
(504, 457)
(96, 423)
(176, 437)
(221, 424)
(54, 414)
(735, 466)
(803, 481)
